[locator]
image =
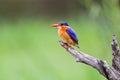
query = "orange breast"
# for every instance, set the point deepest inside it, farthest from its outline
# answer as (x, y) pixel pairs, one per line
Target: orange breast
(64, 35)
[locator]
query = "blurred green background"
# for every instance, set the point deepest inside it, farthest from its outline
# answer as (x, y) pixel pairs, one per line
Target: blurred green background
(29, 48)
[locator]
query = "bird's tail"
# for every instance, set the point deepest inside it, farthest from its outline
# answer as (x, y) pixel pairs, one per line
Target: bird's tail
(77, 46)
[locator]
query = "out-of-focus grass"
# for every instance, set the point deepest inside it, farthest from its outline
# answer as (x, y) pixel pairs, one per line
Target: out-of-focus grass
(29, 50)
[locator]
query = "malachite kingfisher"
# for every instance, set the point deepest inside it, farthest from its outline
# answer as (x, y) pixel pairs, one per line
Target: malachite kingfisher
(66, 33)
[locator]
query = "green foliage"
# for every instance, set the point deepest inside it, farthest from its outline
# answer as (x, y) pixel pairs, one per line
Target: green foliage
(29, 50)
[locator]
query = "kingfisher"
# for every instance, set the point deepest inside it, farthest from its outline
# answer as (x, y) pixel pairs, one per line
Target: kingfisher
(66, 33)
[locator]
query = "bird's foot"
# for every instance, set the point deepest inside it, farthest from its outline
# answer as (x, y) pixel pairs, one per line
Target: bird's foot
(65, 43)
(68, 46)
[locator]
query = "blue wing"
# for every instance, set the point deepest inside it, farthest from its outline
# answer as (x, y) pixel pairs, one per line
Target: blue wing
(72, 34)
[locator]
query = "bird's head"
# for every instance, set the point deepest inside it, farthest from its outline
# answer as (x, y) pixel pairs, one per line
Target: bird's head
(60, 24)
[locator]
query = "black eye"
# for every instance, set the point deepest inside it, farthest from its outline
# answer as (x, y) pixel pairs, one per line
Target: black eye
(62, 24)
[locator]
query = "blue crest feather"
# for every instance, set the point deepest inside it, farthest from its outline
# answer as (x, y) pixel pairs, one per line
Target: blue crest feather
(64, 23)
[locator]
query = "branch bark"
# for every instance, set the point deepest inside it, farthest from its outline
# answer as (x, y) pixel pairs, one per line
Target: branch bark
(110, 72)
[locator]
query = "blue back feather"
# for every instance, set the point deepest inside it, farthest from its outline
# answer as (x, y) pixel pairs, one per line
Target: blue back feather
(72, 34)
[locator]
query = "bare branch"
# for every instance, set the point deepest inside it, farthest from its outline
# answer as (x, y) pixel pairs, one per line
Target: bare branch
(111, 73)
(116, 54)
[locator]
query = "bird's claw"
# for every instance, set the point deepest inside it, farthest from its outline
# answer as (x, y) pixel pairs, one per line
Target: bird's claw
(68, 46)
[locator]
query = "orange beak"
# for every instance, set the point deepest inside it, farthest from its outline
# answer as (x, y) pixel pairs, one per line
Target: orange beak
(55, 25)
